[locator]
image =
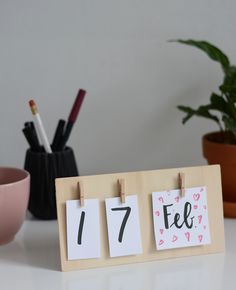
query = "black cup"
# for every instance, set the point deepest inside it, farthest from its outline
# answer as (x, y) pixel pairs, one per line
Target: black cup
(44, 168)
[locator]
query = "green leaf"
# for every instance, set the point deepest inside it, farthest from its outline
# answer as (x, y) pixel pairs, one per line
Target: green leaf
(228, 88)
(230, 124)
(189, 113)
(218, 103)
(212, 51)
(202, 111)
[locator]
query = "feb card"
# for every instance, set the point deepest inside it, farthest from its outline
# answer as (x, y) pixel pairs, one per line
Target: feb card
(181, 221)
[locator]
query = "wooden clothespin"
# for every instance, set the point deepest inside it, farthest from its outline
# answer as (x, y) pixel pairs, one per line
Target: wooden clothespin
(182, 184)
(121, 186)
(81, 192)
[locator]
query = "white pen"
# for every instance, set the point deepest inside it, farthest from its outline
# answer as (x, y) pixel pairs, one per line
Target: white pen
(40, 127)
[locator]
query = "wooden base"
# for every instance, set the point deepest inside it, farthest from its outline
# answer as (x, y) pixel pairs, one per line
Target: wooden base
(142, 184)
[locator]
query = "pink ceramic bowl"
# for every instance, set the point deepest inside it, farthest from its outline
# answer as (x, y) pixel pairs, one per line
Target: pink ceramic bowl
(14, 197)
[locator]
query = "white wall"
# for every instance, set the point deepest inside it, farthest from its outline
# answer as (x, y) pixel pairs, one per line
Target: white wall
(118, 52)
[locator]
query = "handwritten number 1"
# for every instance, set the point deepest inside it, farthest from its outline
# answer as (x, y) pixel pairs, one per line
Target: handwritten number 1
(81, 225)
(122, 228)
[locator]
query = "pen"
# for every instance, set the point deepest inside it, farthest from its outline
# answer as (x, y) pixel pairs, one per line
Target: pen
(72, 118)
(29, 137)
(40, 127)
(33, 134)
(58, 134)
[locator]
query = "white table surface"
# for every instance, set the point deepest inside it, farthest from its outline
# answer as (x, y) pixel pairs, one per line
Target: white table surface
(32, 261)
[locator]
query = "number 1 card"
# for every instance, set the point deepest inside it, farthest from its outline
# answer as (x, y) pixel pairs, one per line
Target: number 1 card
(83, 229)
(123, 226)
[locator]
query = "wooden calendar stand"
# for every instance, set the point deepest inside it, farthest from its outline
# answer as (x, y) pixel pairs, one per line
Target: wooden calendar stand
(142, 184)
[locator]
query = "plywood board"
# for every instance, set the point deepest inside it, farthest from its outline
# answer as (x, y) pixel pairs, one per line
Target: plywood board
(141, 183)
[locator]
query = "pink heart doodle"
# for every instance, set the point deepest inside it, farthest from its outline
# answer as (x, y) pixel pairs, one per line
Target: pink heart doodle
(187, 235)
(196, 196)
(200, 238)
(175, 238)
(199, 219)
(195, 206)
(157, 213)
(177, 199)
(161, 231)
(161, 199)
(205, 207)
(161, 242)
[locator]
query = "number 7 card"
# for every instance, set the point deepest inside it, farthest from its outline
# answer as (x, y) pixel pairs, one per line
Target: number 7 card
(123, 226)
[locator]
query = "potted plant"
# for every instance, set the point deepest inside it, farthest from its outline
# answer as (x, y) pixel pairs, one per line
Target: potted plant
(219, 147)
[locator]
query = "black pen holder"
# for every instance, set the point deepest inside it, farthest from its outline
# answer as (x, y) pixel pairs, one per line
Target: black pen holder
(44, 168)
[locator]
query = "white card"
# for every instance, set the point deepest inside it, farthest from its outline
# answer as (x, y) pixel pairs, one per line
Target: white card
(123, 226)
(181, 221)
(83, 229)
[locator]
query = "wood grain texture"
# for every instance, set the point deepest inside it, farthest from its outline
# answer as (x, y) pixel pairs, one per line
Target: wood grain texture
(141, 183)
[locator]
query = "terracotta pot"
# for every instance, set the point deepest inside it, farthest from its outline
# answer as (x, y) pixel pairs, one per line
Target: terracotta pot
(217, 152)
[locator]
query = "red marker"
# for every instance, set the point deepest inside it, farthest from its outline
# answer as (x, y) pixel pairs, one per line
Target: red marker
(72, 118)
(76, 106)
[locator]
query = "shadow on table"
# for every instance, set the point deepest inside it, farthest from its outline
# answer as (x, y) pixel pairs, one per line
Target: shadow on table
(197, 272)
(37, 245)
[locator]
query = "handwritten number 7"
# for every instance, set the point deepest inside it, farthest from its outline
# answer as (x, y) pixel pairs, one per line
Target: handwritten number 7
(122, 228)
(81, 225)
